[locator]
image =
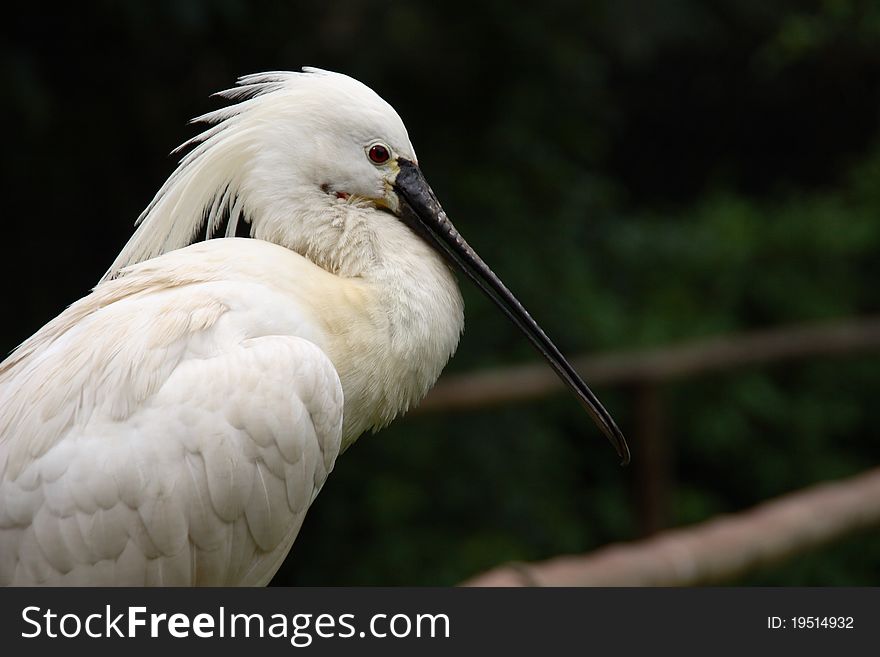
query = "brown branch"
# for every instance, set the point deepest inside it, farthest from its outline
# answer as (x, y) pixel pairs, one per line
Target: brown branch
(717, 550)
(526, 382)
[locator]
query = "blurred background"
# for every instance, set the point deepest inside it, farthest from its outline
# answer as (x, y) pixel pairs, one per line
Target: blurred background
(642, 174)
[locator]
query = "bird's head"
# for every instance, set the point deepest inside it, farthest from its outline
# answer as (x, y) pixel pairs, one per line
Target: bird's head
(315, 133)
(295, 150)
(292, 147)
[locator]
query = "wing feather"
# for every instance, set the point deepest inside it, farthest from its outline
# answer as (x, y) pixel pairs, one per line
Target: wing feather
(158, 438)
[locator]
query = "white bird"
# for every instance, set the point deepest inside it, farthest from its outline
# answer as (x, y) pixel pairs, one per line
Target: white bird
(174, 426)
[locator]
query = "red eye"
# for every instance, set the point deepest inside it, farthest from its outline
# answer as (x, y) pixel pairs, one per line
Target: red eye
(379, 154)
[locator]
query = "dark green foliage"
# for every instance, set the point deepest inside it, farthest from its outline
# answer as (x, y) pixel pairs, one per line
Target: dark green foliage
(638, 172)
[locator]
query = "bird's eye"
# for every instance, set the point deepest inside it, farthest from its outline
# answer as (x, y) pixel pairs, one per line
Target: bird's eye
(378, 154)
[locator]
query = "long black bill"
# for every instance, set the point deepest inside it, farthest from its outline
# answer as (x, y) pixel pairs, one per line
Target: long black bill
(421, 211)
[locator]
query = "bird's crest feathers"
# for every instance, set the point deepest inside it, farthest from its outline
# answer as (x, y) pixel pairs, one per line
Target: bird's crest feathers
(207, 182)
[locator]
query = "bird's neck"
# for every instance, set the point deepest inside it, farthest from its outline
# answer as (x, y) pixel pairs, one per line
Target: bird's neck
(336, 234)
(399, 330)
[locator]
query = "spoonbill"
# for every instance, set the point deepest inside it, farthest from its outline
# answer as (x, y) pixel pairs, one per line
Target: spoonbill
(174, 426)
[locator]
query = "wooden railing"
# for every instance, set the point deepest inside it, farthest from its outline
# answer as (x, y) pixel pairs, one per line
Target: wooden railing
(656, 366)
(717, 550)
(645, 373)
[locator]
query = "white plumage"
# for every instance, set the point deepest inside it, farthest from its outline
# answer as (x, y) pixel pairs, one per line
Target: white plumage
(174, 426)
